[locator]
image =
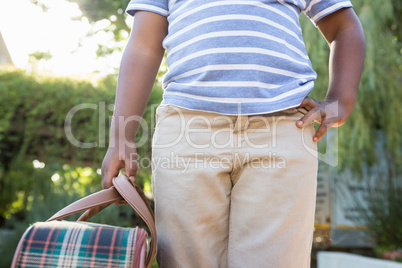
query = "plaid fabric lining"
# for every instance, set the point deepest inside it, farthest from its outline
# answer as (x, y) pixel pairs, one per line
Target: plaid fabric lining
(80, 244)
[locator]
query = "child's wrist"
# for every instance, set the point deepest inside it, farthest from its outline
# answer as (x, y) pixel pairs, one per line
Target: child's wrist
(120, 139)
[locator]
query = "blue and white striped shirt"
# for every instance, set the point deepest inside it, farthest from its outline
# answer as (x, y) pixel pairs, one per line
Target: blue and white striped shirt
(237, 56)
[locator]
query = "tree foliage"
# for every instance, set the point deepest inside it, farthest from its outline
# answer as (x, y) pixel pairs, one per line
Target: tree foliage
(112, 10)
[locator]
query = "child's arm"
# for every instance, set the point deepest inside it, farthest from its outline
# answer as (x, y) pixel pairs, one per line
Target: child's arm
(139, 66)
(345, 36)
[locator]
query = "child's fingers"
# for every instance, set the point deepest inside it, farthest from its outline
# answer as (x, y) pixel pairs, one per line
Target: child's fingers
(322, 129)
(321, 112)
(108, 173)
(111, 166)
(308, 103)
(314, 114)
(325, 125)
(131, 166)
(312, 106)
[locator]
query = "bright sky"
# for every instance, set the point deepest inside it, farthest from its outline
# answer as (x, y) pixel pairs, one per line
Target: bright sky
(27, 29)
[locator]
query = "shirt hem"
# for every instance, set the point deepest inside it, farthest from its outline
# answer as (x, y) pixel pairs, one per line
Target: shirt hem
(292, 103)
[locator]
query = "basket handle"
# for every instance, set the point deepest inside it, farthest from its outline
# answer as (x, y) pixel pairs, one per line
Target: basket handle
(122, 189)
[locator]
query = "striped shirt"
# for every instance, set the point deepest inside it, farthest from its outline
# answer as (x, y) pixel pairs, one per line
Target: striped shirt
(234, 56)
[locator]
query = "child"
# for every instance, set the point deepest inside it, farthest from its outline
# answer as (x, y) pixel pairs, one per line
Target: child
(234, 176)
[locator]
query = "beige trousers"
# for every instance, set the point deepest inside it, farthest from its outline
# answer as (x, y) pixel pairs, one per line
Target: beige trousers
(233, 191)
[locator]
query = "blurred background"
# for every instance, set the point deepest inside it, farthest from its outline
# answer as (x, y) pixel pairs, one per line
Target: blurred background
(57, 54)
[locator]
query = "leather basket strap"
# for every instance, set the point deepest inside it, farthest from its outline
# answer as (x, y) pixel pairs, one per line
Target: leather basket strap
(123, 190)
(95, 210)
(95, 200)
(91, 212)
(136, 201)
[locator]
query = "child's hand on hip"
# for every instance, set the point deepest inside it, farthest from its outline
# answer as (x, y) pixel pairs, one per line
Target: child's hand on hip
(327, 113)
